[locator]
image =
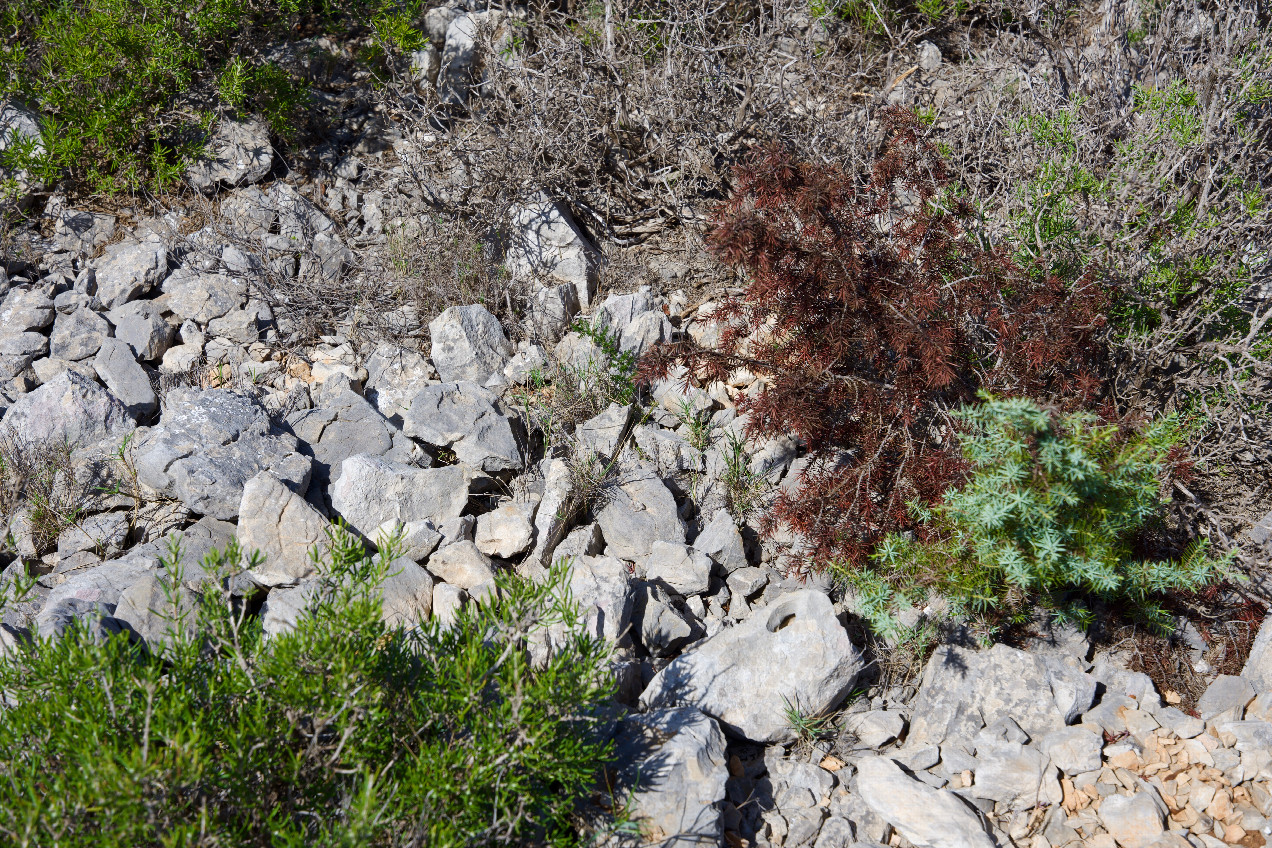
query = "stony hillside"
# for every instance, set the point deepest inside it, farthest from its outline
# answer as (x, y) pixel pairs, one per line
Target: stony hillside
(760, 424)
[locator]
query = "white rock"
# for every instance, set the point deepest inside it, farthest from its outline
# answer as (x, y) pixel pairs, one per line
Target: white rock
(375, 495)
(505, 532)
(468, 343)
(927, 817)
(284, 528)
(795, 655)
(682, 568)
(461, 564)
(547, 243)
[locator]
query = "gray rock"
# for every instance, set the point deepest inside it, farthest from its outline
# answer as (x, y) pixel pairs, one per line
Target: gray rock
(929, 56)
(157, 609)
(601, 586)
(141, 325)
(395, 376)
(927, 817)
(206, 447)
(27, 345)
(649, 329)
(70, 408)
(242, 326)
(745, 582)
(551, 311)
(721, 541)
(1015, 775)
(672, 762)
(464, 416)
(455, 75)
(283, 527)
(1137, 821)
(299, 220)
(673, 456)
(504, 532)
(664, 628)
(1073, 750)
(836, 832)
(546, 242)
(619, 310)
(795, 655)
(78, 335)
(875, 728)
(963, 691)
(468, 343)
(406, 594)
(462, 564)
(117, 367)
(200, 297)
(448, 600)
(237, 154)
(680, 567)
(284, 607)
(1226, 693)
(344, 424)
(640, 511)
(1258, 666)
(18, 123)
(600, 434)
(128, 270)
(581, 541)
(104, 535)
(82, 232)
(550, 516)
(25, 310)
(377, 496)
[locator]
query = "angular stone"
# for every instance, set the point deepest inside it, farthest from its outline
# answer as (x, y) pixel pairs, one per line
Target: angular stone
(1015, 775)
(601, 586)
(1135, 822)
(117, 367)
(378, 496)
(680, 567)
(468, 343)
(721, 541)
(1074, 750)
(505, 532)
(640, 511)
(208, 444)
(128, 270)
(344, 424)
(406, 594)
(284, 528)
(672, 762)
(78, 335)
(1258, 666)
(141, 325)
(546, 242)
(600, 434)
(463, 416)
(25, 310)
(27, 345)
(18, 123)
(745, 582)
(157, 610)
(82, 232)
(72, 409)
(395, 376)
(664, 627)
(551, 312)
(103, 534)
(461, 564)
(239, 153)
(1227, 692)
(200, 297)
(649, 329)
(927, 817)
(796, 655)
(875, 728)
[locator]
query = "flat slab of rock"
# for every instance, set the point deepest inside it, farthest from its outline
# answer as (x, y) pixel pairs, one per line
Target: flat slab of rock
(379, 496)
(128, 270)
(1258, 667)
(344, 424)
(117, 367)
(794, 654)
(208, 444)
(464, 417)
(672, 765)
(927, 817)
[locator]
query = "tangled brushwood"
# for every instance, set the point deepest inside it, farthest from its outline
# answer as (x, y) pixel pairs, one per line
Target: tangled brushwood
(872, 310)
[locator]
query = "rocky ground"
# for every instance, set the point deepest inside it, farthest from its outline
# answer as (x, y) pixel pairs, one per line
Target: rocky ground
(196, 410)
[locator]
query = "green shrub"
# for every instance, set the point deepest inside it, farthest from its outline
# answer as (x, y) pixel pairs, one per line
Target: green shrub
(1049, 514)
(115, 82)
(342, 732)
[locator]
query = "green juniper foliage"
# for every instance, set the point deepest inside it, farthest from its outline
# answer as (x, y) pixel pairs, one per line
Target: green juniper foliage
(343, 732)
(1049, 513)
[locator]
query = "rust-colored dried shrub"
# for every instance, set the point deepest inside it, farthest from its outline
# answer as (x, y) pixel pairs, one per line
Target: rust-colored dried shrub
(872, 309)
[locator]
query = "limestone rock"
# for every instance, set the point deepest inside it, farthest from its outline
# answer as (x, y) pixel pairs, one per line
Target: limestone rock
(283, 527)
(463, 416)
(683, 569)
(71, 408)
(117, 367)
(505, 532)
(796, 655)
(546, 242)
(128, 270)
(239, 153)
(927, 817)
(640, 511)
(378, 496)
(78, 335)
(468, 343)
